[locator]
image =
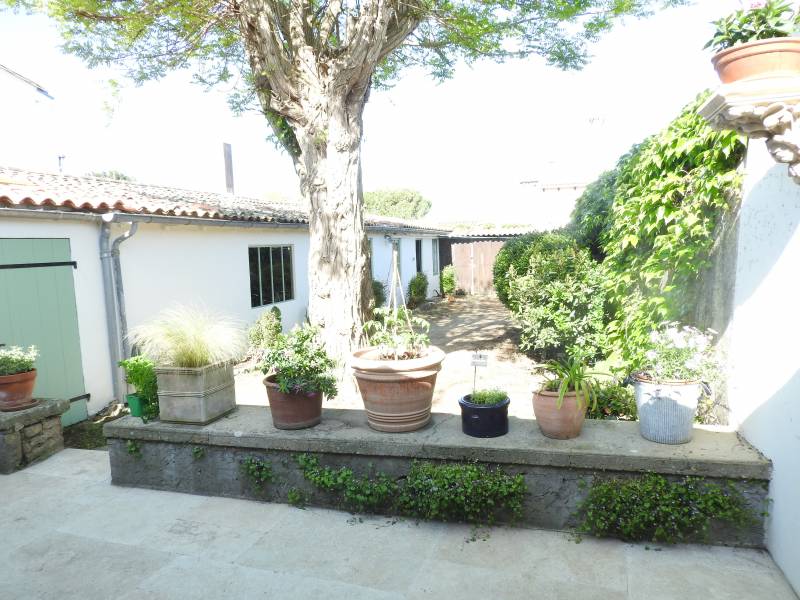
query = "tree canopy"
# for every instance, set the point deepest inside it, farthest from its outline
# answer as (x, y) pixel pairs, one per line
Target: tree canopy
(405, 204)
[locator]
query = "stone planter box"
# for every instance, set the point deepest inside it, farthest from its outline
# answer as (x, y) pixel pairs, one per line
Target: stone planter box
(30, 435)
(195, 395)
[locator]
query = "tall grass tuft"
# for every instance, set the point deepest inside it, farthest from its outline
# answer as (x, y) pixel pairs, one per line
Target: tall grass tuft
(190, 337)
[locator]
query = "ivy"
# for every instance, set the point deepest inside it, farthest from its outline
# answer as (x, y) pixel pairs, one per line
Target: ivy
(257, 470)
(133, 448)
(650, 508)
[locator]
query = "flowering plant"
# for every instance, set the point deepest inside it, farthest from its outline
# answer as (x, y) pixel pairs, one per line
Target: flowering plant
(763, 20)
(680, 353)
(16, 360)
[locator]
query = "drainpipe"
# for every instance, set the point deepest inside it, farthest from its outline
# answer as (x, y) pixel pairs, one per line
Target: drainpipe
(120, 292)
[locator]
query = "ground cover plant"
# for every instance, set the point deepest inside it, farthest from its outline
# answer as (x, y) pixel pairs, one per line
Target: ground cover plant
(488, 397)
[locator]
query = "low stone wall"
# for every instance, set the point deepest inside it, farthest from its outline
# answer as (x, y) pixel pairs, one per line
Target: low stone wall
(30, 435)
(207, 460)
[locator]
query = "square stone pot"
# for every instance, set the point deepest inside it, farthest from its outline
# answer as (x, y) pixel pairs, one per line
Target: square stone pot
(195, 395)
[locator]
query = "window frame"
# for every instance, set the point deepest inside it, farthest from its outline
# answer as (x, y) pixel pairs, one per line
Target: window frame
(418, 255)
(271, 247)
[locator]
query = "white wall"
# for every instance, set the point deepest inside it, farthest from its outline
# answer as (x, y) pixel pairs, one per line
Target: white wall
(763, 359)
(85, 249)
(382, 260)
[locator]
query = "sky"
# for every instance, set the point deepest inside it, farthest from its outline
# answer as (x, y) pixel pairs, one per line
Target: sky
(467, 144)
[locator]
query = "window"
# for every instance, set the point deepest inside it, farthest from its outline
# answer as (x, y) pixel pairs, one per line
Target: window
(271, 278)
(418, 248)
(435, 255)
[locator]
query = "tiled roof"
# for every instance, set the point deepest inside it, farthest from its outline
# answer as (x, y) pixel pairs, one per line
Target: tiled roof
(493, 232)
(28, 189)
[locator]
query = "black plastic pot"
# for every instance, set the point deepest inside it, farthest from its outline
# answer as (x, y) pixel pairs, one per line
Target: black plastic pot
(484, 421)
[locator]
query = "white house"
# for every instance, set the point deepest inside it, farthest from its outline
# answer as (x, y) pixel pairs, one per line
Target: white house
(84, 259)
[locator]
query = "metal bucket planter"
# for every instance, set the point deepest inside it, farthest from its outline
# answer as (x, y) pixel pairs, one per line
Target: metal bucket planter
(484, 420)
(195, 395)
(666, 410)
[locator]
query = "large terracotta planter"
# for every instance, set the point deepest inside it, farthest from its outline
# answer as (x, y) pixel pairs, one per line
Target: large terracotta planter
(666, 409)
(762, 58)
(16, 391)
(559, 423)
(397, 394)
(293, 411)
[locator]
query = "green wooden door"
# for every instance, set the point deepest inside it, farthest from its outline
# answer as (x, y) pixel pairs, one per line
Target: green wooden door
(37, 307)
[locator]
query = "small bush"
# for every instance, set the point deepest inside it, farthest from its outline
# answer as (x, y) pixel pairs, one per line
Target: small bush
(447, 280)
(613, 402)
(300, 363)
(266, 328)
(515, 253)
(560, 301)
(15, 360)
(140, 372)
(417, 290)
(378, 293)
(488, 397)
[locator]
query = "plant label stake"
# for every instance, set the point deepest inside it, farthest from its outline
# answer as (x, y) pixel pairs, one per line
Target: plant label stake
(479, 359)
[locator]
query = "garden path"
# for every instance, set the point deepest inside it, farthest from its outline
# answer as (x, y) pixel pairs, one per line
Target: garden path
(68, 534)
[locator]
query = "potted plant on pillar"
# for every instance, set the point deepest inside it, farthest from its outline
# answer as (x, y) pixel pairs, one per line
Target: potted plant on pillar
(17, 378)
(194, 351)
(140, 372)
(299, 373)
(677, 363)
(757, 42)
(484, 413)
(560, 404)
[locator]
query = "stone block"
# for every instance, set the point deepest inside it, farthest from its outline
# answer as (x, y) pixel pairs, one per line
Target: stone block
(10, 451)
(32, 430)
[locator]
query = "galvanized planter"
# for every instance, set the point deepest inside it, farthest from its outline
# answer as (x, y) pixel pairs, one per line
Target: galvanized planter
(667, 410)
(195, 395)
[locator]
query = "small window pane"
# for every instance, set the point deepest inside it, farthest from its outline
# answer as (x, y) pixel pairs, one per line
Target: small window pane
(255, 288)
(278, 294)
(288, 282)
(266, 276)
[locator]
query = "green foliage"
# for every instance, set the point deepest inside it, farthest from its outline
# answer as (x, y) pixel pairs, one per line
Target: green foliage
(300, 363)
(775, 19)
(393, 332)
(613, 401)
(487, 397)
(15, 360)
(512, 260)
(651, 508)
(559, 301)
(140, 372)
(257, 470)
(571, 375)
(417, 290)
(378, 293)
(446, 492)
(296, 498)
(189, 337)
(680, 354)
(447, 280)
(266, 328)
(404, 204)
(133, 448)
(198, 452)
(670, 197)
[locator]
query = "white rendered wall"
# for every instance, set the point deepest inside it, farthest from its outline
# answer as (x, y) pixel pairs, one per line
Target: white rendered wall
(763, 341)
(84, 238)
(382, 260)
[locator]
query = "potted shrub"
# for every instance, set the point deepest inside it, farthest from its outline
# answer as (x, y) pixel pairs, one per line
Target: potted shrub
(484, 413)
(140, 372)
(670, 385)
(447, 280)
(758, 42)
(299, 373)
(193, 350)
(17, 378)
(396, 374)
(560, 404)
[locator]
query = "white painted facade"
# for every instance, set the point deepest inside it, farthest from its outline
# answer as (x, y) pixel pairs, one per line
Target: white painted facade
(763, 362)
(381, 248)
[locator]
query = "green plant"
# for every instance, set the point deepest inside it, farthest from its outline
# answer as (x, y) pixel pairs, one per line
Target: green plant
(15, 360)
(378, 293)
(300, 363)
(488, 397)
(515, 253)
(447, 280)
(773, 19)
(676, 353)
(189, 337)
(133, 448)
(392, 332)
(198, 452)
(651, 508)
(296, 498)
(613, 401)
(571, 375)
(140, 372)
(405, 204)
(257, 470)
(417, 290)
(266, 328)
(559, 301)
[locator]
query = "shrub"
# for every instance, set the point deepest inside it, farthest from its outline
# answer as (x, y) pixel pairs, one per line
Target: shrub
(488, 397)
(140, 372)
(378, 293)
(560, 302)
(447, 280)
(613, 401)
(266, 328)
(189, 337)
(417, 290)
(15, 360)
(773, 19)
(392, 332)
(300, 363)
(515, 253)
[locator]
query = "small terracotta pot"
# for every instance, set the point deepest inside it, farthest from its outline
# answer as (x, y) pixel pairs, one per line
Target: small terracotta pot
(559, 423)
(397, 394)
(16, 391)
(293, 411)
(762, 58)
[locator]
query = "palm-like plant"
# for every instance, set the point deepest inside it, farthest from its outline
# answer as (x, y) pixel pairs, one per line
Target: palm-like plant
(570, 375)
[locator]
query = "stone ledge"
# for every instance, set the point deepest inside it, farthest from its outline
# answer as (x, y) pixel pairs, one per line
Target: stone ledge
(603, 445)
(47, 407)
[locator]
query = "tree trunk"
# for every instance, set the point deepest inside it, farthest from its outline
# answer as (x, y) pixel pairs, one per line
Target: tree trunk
(329, 168)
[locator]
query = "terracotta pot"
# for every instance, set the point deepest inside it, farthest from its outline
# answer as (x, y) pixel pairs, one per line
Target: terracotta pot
(16, 391)
(559, 423)
(397, 394)
(293, 411)
(762, 58)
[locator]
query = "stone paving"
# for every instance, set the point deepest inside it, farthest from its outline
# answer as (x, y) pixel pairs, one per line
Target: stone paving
(66, 533)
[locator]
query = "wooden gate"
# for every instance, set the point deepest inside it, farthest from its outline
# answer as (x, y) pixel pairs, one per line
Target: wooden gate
(474, 263)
